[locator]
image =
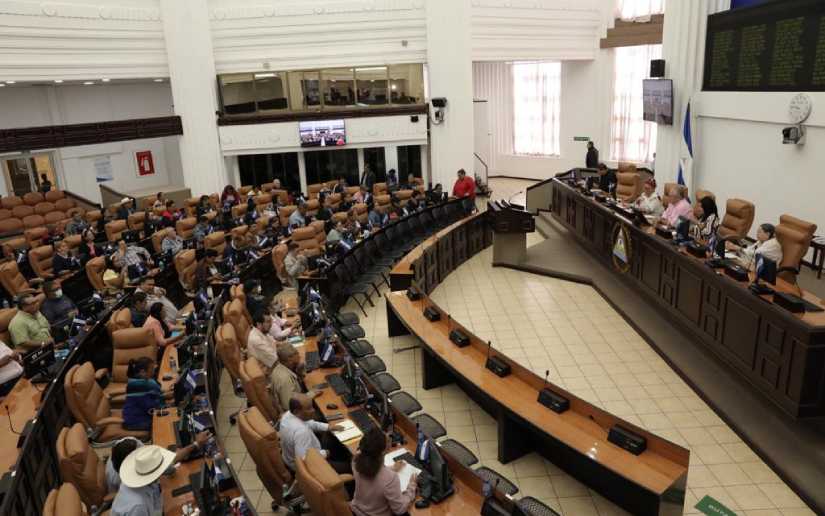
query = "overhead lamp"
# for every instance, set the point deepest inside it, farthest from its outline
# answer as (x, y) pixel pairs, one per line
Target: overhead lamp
(11, 82)
(58, 81)
(105, 79)
(264, 75)
(2, 85)
(88, 83)
(158, 80)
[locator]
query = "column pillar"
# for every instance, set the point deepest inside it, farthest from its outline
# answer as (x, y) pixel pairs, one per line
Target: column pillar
(683, 49)
(302, 172)
(192, 74)
(360, 153)
(450, 72)
(425, 165)
(391, 159)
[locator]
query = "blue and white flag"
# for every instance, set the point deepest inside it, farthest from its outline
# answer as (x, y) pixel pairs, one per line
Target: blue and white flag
(685, 174)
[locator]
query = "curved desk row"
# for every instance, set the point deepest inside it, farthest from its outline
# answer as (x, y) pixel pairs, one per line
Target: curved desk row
(576, 440)
(780, 354)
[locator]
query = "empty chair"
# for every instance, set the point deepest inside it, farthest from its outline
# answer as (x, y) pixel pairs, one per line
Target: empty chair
(93, 217)
(120, 320)
(10, 202)
(322, 487)
(115, 229)
(80, 465)
(284, 212)
(22, 211)
(382, 203)
(278, 254)
(13, 245)
(281, 195)
(14, 282)
(264, 446)
(334, 201)
(255, 386)
(40, 258)
(216, 241)
(629, 186)
(361, 213)
(314, 189)
(135, 221)
(738, 219)
(6, 315)
(320, 234)
(403, 197)
(239, 211)
(186, 227)
(33, 221)
(305, 238)
(262, 201)
(64, 501)
(54, 195)
(350, 191)
(185, 264)
(32, 198)
(43, 208)
(35, 236)
(55, 217)
(313, 205)
(90, 407)
(794, 236)
(235, 313)
(191, 206)
(379, 189)
(11, 225)
(229, 350)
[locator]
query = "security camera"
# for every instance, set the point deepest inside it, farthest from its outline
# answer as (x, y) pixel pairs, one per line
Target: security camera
(439, 102)
(794, 135)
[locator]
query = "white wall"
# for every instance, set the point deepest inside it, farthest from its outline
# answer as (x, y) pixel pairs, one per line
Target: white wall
(585, 109)
(739, 153)
(31, 106)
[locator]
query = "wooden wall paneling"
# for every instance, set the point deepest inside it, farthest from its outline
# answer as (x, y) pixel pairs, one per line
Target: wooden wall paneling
(740, 331)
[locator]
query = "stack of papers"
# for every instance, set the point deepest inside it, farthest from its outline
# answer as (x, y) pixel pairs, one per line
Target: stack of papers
(349, 432)
(406, 472)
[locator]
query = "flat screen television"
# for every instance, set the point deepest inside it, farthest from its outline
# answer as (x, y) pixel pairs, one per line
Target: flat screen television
(322, 133)
(658, 101)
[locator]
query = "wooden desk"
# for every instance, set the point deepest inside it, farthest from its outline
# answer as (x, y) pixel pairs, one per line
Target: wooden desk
(780, 354)
(576, 440)
(22, 402)
(468, 486)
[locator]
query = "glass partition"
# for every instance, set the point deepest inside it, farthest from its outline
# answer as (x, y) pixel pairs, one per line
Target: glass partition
(270, 91)
(372, 85)
(406, 84)
(238, 93)
(311, 88)
(337, 87)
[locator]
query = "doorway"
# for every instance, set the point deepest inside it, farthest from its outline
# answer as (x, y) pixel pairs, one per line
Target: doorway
(23, 174)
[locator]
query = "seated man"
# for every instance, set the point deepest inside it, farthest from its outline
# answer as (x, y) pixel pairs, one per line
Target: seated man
(201, 229)
(235, 250)
(410, 184)
(254, 300)
(680, 207)
(288, 375)
(58, 309)
(77, 225)
(341, 186)
(363, 196)
(172, 243)
(298, 217)
(125, 209)
(29, 328)
(259, 344)
(377, 219)
(139, 309)
(325, 212)
(295, 264)
(205, 271)
(10, 368)
(63, 262)
(297, 433)
(135, 259)
(336, 233)
(155, 294)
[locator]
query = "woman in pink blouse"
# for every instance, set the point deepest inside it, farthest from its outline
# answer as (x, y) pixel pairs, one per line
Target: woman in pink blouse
(161, 331)
(377, 487)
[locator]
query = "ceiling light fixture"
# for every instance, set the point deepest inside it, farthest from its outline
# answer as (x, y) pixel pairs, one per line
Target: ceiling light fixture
(11, 82)
(264, 75)
(88, 83)
(2, 85)
(158, 80)
(105, 79)
(58, 81)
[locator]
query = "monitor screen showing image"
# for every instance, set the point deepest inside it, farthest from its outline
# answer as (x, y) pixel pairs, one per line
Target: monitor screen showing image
(658, 101)
(322, 133)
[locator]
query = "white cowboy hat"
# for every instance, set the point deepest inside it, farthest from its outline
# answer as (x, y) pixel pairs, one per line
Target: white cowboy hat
(125, 200)
(145, 465)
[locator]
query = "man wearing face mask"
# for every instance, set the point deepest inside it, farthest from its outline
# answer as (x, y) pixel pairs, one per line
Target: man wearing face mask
(58, 309)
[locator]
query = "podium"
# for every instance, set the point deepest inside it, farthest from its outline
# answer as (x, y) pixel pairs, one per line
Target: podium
(510, 224)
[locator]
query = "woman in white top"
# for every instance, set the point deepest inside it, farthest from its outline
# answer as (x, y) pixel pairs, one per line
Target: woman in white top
(766, 244)
(649, 202)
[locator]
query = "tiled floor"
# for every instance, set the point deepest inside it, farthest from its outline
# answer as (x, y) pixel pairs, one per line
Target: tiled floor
(568, 329)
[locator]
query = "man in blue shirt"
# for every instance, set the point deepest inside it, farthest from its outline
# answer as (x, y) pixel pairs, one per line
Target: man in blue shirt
(298, 217)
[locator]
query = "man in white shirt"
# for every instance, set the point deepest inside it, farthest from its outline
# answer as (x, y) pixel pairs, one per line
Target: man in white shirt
(10, 369)
(297, 432)
(260, 344)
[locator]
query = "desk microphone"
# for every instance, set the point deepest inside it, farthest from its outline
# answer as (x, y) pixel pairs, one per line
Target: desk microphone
(550, 399)
(498, 366)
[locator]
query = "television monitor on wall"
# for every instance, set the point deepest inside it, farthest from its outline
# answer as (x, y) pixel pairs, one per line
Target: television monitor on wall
(322, 133)
(658, 101)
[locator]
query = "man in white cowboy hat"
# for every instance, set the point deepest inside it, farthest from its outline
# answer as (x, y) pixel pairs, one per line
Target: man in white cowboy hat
(140, 472)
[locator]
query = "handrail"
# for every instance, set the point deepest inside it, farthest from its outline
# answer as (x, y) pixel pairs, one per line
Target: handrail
(486, 167)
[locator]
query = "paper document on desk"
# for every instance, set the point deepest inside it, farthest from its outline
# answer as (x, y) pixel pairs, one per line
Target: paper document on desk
(349, 432)
(406, 472)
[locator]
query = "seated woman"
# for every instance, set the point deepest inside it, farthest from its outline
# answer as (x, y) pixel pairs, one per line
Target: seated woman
(707, 217)
(649, 202)
(114, 275)
(203, 207)
(161, 331)
(378, 487)
(143, 394)
(88, 249)
(63, 262)
(766, 244)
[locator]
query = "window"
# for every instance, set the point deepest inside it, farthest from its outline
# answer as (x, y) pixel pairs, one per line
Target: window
(536, 92)
(406, 84)
(311, 88)
(323, 166)
(372, 85)
(631, 138)
(639, 10)
(270, 91)
(257, 169)
(409, 161)
(238, 93)
(337, 87)
(374, 158)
